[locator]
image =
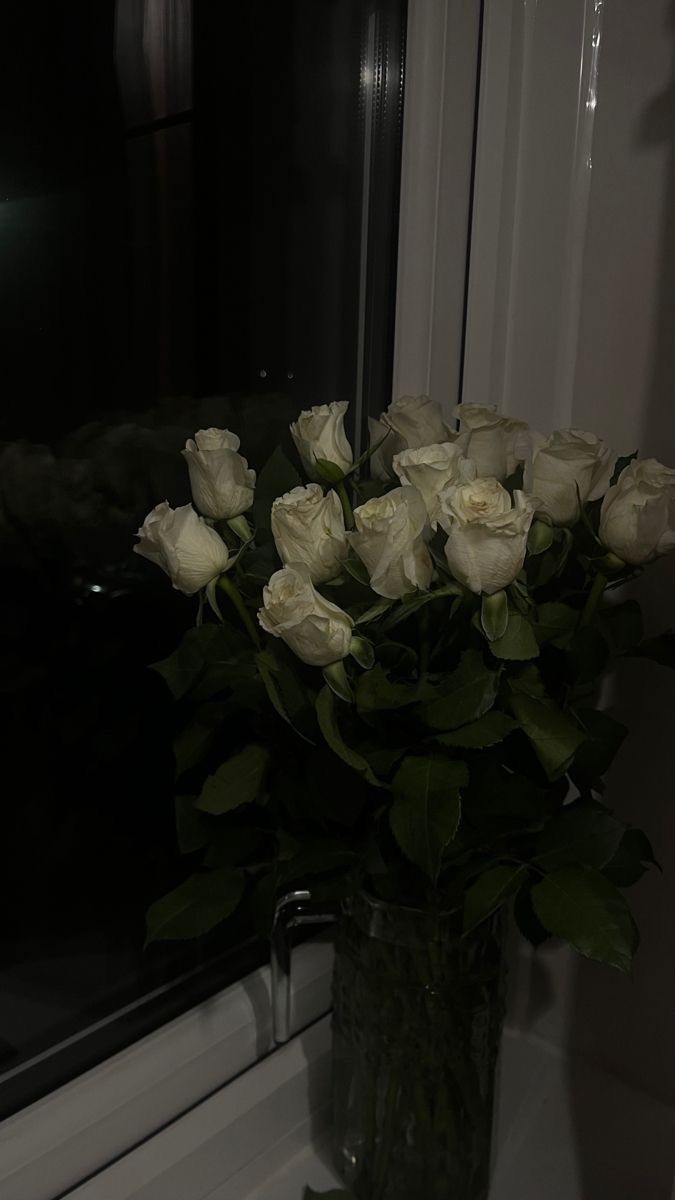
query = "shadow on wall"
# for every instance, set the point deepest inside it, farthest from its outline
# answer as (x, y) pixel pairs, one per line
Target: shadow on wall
(626, 1025)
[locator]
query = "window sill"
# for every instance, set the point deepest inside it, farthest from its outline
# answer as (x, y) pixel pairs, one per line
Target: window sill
(160, 1116)
(265, 1136)
(55, 1143)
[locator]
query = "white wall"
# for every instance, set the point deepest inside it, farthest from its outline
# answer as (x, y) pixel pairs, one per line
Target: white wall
(625, 385)
(625, 367)
(572, 322)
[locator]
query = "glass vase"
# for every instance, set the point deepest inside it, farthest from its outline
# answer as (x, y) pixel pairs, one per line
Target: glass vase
(417, 1019)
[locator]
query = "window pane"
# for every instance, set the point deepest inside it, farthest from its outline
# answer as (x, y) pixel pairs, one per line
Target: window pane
(198, 209)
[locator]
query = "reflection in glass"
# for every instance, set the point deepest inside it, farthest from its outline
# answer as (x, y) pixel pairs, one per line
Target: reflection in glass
(191, 234)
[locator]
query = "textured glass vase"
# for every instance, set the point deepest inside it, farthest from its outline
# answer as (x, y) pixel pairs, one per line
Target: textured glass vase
(417, 1020)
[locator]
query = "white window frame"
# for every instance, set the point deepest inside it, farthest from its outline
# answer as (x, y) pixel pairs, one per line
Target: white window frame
(522, 333)
(443, 45)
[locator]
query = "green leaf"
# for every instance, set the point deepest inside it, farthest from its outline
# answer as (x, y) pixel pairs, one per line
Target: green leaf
(206, 650)
(464, 695)
(362, 652)
(383, 758)
(399, 659)
(238, 781)
(416, 600)
(426, 810)
(262, 562)
(540, 537)
(556, 623)
(581, 906)
(489, 729)
(192, 830)
(489, 891)
(584, 516)
(604, 739)
(182, 668)
(316, 856)
(230, 677)
(375, 690)
(584, 834)
(328, 723)
(196, 738)
(284, 691)
(328, 472)
(521, 597)
(526, 919)
(338, 681)
(211, 595)
(555, 737)
(518, 642)
(354, 567)
(498, 801)
(528, 682)
(230, 847)
(374, 612)
(660, 649)
(195, 906)
(368, 454)
(277, 477)
(494, 615)
(241, 529)
(629, 863)
(542, 568)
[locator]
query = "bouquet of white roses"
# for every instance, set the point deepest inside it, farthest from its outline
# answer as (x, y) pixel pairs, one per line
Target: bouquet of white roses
(392, 683)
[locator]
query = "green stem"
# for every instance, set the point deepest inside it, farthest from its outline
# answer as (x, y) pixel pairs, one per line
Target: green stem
(234, 595)
(594, 598)
(346, 505)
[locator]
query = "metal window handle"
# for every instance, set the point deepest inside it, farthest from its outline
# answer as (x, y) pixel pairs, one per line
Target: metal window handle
(293, 909)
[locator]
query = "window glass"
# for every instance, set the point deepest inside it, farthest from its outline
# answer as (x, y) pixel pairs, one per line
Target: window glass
(198, 212)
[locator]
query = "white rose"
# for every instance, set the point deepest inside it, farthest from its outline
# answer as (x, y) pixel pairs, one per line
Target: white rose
(637, 518)
(418, 421)
(319, 433)
(431, 469)
(222, 482)
(487, 536)
(489, 439)
(183, 545)
(309, 528)
(389, 540)
(317, 631)
(556, 466)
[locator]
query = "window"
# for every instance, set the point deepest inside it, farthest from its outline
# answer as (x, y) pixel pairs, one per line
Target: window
(198, 218)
